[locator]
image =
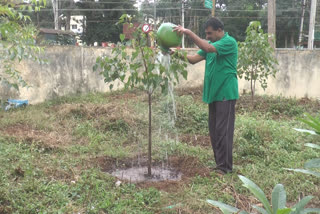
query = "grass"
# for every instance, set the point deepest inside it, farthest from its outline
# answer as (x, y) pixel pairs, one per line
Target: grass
(54, 155)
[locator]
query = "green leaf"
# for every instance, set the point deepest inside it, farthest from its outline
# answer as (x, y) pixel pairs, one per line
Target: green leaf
(284, 211)
(257, 192)
(13, 55)
(20, 51)
(311, 145)
(310, 210)
(260, 209)
(305, 131)
(309, 172)
(95, 67)
(184, 74)
(301, 204)
(223, 207)
(312, 122)
(279, 198)
(314, 163)
(313, 119)
(123, 16)
(14, 85)
(122, 37)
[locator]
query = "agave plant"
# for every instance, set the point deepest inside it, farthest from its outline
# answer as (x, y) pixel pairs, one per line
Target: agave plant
(314, 123)
(277, 205)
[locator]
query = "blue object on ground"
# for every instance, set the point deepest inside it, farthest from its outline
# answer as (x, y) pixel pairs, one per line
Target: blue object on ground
(16, 103)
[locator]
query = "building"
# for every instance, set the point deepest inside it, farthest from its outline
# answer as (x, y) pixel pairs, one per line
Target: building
(56, 37)
(76, 24)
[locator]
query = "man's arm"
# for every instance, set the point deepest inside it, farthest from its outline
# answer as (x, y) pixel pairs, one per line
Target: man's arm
(193, 59)
(201, 43)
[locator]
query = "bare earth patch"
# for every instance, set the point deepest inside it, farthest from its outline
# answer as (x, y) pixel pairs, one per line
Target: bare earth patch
(196, 140)
(45, 139)
(195, 92)
(108, 111)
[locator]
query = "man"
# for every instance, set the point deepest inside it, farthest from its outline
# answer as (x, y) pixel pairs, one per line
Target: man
(220, 89)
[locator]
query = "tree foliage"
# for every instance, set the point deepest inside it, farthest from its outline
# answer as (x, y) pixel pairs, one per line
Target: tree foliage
(17, 41)
(256, 57)
(101, 25)
(237, 14)
(289, 20)
(140, 68)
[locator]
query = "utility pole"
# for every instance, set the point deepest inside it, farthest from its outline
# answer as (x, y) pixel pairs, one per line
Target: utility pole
(272, 22)
(154, 20)
(182, 22)
(312, 23)
(55, 7)
(213, 7)
(302, 20)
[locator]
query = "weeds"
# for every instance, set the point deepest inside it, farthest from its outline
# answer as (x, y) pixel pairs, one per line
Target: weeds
(49, 153)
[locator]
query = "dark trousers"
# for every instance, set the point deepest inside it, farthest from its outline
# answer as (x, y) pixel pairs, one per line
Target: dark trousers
(221, 129)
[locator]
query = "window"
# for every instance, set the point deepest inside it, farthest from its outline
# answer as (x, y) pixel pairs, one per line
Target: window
(74, 27)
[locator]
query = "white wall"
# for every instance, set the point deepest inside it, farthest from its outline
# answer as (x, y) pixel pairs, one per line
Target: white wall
(70, 72)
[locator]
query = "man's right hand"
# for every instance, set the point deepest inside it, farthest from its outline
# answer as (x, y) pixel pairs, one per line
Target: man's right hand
(180, 30)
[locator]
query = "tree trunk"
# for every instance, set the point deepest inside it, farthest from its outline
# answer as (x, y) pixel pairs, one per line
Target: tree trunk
(272, 22)
(59, 18)
(149, 145)
(292, 40)
(68, 19)
(38, 19)
(301, 23)
(55, 14)
(252, 90)
(286, 41)
(68, 14)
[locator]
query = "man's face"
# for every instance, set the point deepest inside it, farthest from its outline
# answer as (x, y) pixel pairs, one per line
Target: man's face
(212, 35)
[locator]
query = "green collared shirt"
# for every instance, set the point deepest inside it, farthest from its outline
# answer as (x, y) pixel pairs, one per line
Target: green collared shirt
(220, 79)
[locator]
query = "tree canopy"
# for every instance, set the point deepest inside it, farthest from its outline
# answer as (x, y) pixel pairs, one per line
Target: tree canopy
(102, 15)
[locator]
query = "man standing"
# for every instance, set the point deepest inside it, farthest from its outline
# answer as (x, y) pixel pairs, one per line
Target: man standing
(220, 89)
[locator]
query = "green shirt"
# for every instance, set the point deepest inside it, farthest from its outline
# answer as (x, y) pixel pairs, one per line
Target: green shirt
(220, 79)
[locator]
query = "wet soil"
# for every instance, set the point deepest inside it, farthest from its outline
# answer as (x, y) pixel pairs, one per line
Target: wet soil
(182, 168)
(140, 174)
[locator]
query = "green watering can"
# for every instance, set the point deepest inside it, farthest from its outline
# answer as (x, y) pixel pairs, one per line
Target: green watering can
(166, 38)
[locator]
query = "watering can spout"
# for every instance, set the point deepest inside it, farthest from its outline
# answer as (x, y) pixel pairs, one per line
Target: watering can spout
(167, 38)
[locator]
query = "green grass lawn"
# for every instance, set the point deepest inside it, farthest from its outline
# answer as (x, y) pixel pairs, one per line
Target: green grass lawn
(55, 157)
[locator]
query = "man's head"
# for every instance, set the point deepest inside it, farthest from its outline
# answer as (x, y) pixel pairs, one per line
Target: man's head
(214, 29)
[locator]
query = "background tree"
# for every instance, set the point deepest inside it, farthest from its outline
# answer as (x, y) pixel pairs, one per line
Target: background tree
(288, 22)
(69, 5)
(237, 14)
(101, 25)
(256, 58)
(17, 41)
(171, 11)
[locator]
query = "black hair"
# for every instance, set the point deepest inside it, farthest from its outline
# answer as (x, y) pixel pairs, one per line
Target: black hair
(214, 23)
